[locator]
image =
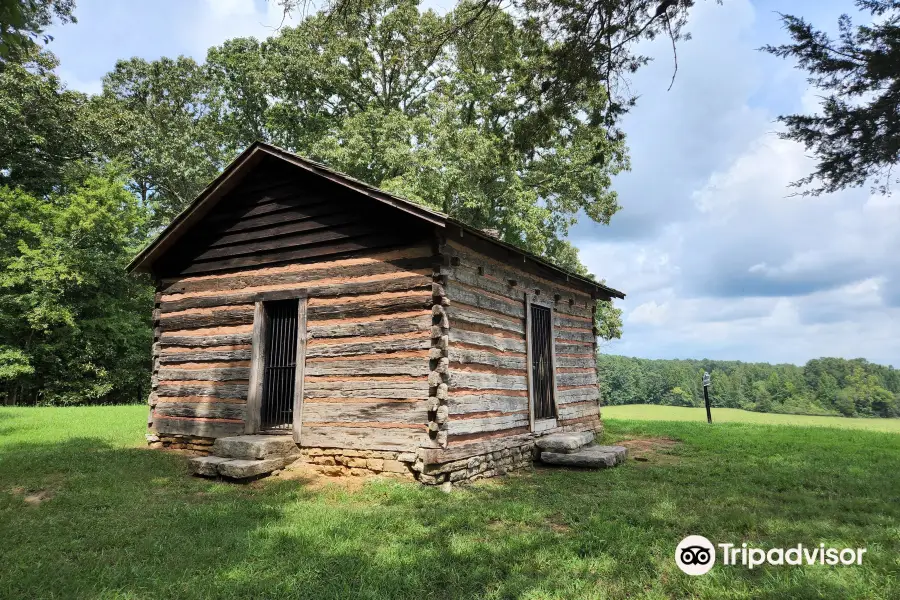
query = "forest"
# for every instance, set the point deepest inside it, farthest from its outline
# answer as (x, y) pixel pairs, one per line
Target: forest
(823, 386)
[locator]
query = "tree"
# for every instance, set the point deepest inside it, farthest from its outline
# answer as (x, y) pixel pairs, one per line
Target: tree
(856, 136)
(24, 21)
(157, 118)
(74, 327)
(383, 95)
(587, 44)
(42, 124)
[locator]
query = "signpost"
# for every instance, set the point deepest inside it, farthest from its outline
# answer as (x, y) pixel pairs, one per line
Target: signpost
(706, 396)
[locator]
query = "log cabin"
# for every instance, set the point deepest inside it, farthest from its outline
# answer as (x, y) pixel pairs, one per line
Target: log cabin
(381, 335)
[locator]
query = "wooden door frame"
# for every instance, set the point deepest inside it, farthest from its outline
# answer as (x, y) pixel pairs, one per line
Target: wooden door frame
(253, 414)
(300, 369)
(548, 423)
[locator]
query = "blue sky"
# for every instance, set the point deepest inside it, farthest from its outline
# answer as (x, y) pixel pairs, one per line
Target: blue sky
(716, 256)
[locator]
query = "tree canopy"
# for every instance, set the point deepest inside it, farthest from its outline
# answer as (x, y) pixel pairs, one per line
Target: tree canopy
(855, 137)
(22, 23)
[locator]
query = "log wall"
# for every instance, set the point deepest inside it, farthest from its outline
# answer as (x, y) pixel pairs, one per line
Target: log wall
(366, 371)
(487, 387)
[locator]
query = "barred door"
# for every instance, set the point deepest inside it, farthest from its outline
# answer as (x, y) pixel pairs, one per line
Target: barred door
(541, 362)
(280, 366)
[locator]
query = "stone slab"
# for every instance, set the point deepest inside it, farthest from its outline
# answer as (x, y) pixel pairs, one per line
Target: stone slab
(207, 466)
(591, 457)
(565, 442)
(242, 469)
(255, 447)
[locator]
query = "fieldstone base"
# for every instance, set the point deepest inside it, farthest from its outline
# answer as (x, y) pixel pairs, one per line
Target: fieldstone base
(180, 442)
(335, 462)
(481, 466)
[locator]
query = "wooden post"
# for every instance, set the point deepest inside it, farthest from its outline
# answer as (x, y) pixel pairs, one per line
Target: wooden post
(528, 358)
(257, 369)
(300, 368)
(553, 360)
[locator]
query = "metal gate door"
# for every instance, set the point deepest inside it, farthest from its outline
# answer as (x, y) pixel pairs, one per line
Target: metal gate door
(541, 362)
(280, 366)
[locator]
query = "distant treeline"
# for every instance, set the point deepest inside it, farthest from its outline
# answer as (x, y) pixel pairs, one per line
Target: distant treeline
(823, 386)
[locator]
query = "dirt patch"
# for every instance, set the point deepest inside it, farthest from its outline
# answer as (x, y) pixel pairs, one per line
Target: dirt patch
(556, 524)
(649, 451)
(31, 497)
(313, 480)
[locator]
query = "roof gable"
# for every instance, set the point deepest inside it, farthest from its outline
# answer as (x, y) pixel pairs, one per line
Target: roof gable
(260, 153)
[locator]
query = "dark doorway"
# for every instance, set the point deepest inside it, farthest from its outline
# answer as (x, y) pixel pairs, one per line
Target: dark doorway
(542, 362)
(280, 367)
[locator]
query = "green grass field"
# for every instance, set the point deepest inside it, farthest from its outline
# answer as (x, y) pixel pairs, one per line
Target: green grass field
(87, 512)
(652, 412)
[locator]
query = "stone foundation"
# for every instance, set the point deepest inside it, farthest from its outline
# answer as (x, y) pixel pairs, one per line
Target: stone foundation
(481, 466)
(168, 441)
(338, 461)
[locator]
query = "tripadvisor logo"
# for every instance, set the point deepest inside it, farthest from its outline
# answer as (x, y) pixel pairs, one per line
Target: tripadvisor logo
(696, 555)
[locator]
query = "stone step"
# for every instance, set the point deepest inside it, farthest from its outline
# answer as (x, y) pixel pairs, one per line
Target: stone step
(565, 442)
(255, 447)
(589, 457)
(236, 468)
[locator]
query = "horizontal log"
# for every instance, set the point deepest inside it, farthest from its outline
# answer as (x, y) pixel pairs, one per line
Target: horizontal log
(485, 424)
(323, 234)
(459, 313)
(592, 422)
(197, 428)
(361, 243)
(209, 341)
(562, 348)
(362, 438)
(237, 315)
(360, 265)
(286, 229)
(586, 322)
(575, 411)
(213, 410)
(316, 387)
(479, 299)
(421, 322)
(224, 374)
(575, 362)
(480, 357)
(578, 336)
(565, 379)
(232, 390)
(486, 340)
(584, 395)
(474, 403)
(375, 347)
(404, 282)
(383, 365)
(283, 213)
(366, 412)
(212, 355)
(362, 306)
(490, 381)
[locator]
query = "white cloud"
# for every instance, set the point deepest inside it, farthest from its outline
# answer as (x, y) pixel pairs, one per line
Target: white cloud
(719, 256)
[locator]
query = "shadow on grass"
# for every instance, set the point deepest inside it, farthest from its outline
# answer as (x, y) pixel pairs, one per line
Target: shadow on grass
(129, 522)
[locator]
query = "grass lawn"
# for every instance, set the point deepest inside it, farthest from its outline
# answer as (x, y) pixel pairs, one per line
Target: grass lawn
(652, 412)
(87, 512)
